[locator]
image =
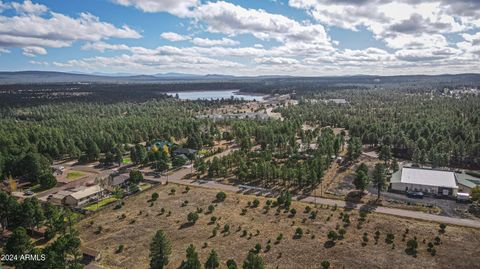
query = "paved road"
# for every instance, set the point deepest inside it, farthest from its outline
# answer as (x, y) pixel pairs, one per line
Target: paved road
(176, 177)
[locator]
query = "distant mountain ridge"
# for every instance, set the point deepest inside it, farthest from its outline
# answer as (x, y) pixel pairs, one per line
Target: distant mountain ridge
(33, 77)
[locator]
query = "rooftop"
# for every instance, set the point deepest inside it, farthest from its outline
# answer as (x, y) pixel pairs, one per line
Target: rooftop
(428, 177)
(86, 192)
(467, 180)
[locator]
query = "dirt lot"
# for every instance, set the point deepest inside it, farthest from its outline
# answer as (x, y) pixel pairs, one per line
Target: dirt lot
(459, 247)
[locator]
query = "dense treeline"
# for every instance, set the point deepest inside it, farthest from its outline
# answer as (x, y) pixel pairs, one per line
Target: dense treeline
(284, 156)
(31, 137)
(425, 128)
(23, 218)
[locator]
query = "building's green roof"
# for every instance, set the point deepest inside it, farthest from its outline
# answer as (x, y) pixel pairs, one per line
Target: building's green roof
(467, 180)
(396, 177)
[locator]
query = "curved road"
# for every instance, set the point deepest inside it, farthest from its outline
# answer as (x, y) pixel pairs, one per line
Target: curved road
(177, 177)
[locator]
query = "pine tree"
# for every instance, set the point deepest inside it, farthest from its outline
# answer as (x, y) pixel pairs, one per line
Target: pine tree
(212, 261)
(160, 250)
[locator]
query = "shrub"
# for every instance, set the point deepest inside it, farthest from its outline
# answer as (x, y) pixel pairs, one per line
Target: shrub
(307, 209)
(192, 217)
(325, 264)
(442, 228)
(342, 232)
(437, 240)
(268, 202)
(255, 203)
(293, 212)
(298, 233)
(332, 236)
(231, 264)
(313, 214)
(187, 189)
(412, 245)
(172, 191)
(268, 247)
(119, 249)
(213, 219)
(279, 237)
(221, 196)
(154, 196)
(244, 233)
(226, 229)
(244, 211)
(389, 239)
(258, 247)
(211, 208)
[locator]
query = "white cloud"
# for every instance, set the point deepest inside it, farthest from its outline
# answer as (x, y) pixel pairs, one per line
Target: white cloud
(276, 61)
(227, 18)
(206, 42)
(179, 8)
(27, 7)
(171, 36)
(58, 30)
(3, 50)
(39, 62)
(34, 51)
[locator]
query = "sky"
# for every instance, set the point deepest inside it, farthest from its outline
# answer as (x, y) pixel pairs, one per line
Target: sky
(241, 37)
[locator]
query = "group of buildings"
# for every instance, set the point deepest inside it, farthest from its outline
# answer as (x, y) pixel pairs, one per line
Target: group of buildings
(83, 195)
(433, 182)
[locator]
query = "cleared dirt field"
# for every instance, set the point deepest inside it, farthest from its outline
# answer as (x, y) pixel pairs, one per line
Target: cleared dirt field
(458, 248)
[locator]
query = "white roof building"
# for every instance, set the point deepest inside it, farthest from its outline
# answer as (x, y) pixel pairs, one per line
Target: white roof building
(425, 180)
(84, 196)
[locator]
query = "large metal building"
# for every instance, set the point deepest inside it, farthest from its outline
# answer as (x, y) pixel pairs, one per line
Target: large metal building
(428, 181)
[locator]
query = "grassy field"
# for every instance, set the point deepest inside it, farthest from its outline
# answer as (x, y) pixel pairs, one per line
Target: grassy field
(101, 203)
(137, 221)
(127, 160)
(73, 175)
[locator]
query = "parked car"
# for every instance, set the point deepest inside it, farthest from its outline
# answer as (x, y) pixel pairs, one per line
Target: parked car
(415, 194)
(28, 193)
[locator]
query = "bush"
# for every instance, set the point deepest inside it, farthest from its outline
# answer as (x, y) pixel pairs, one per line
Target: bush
(211, 208)
(172, 191)
(255, 203)
(192, 217)
(293, 212)
(298, 233)
(213, 219)
(226, 229)
(279, 237)
(442, 228)
(307, 209)
(332, 236)
(342, 232)
(268, 247)
(119, 249)
(244, 211)
(258, 247)
(389, 239)
(221, 196)
(154, 196)
(231, 264)
(325, 264)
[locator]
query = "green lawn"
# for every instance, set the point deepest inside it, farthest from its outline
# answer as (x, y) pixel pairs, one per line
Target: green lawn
(74, 175)
(100, 204)
(127, 160)
(144, 186)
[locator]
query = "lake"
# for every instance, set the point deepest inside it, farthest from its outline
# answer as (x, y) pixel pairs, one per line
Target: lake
(214, 95)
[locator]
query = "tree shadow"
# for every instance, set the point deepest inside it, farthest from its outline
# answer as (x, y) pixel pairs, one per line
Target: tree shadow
(186, 225)
(329, 244)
